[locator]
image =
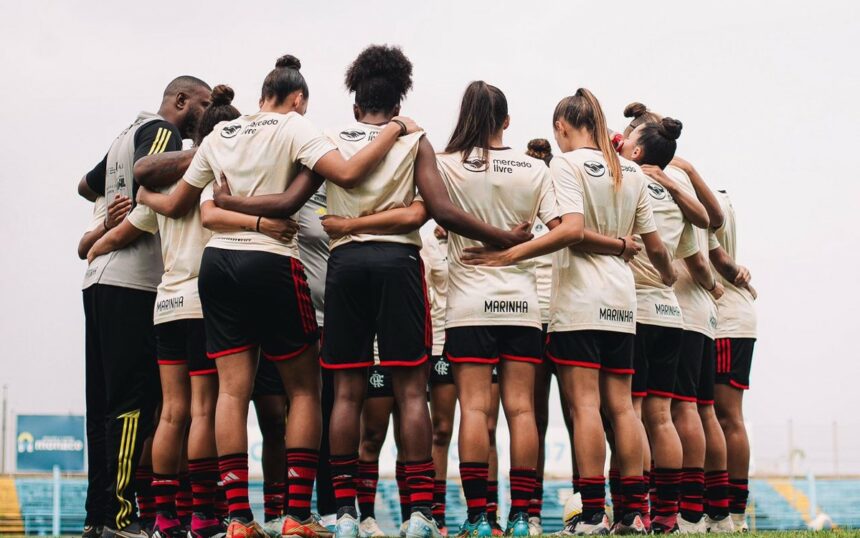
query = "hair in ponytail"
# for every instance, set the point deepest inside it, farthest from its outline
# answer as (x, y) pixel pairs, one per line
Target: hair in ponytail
(539, 148)
(284, 79)
(482, 114)
(220, 109)
(582, 110)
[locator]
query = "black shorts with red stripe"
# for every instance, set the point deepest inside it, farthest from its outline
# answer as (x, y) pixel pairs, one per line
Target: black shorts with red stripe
(252, 298)
(375, 290)
(694, 378)
(183, 342)
(487, 344)
(655, 359)
(609, 351)
(734, 361)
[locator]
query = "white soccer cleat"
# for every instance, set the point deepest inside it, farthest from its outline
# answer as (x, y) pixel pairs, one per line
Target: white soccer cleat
(369, 528)
(535, 526)
(572, 508)
(740, 522)
(723, 525)
(689, 527)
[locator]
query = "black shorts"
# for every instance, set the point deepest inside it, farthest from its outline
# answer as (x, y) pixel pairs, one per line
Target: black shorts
(609, 351)
(655, 359)
(267, 382)
(734, 361)
(487, 344)
(379, 384)
(183, 341)
(694, 378)
(440, 371)
(375, 290)
(252, 298)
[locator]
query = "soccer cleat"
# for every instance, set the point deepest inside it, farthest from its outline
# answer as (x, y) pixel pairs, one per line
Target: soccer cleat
(403, 527)
(346, 526)
(723, 524)
(519, 526)
(167, 527)
(420, 526)
(369, 528)
(740, 522)
(569, 528)
(535, 526)
(572, 507)
(133, 530)
(664, 525)
(597, 525)
(203, 526)
(629, 524)
(273, 527)
(497, 529)
(239, 528)
(481, 528)
(691, 527)
(309, 528)
(91, 531)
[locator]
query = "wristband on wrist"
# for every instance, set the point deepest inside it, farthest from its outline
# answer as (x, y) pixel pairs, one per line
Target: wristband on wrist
(623, 246)
(403, 129)
(258, 223)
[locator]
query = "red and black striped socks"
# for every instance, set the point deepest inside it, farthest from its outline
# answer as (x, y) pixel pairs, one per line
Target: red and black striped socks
(204, 484)
(492, 501)
(665, 498)
(536, 502)
(403, 490)
(473, 475)
(593, 491)
(273, 500)
(419, 479)
(164, 487)
(301, 473)
(739, 492)
(368, 479)
(234, 480)
(343, 472)
(692, 493)
(717, 494)
(634, 492)
(439, 490)
(184, 501)
(522, 489)
(143, 487)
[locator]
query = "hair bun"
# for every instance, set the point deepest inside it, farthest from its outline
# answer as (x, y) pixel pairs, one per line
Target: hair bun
(634, 110)
(672, 127)
(539, 145)
(288, 61)
(222, 95)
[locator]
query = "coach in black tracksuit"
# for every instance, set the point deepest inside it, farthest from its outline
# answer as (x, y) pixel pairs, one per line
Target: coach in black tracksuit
(122, 387)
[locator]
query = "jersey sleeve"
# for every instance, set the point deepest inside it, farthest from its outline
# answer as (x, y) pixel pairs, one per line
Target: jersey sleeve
(156, 137)
(309, 143)
(143, 218)
(567, 184)
(713, 241)
(547, 205)
(96, 177)
(200, 172)
(644, 222)
(99, 214)
(687, 244)
(208, 193)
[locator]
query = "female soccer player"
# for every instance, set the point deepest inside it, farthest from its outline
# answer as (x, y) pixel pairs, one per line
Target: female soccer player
(180, 342)
(591, 332)
(736, 334)
(493, 312)
(253, 289)
(659, 320)
(374, 286)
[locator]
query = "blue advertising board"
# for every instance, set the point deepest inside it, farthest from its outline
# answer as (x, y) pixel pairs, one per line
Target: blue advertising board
(47, 440)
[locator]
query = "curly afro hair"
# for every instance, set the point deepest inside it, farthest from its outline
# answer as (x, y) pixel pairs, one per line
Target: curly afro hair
(380, 77)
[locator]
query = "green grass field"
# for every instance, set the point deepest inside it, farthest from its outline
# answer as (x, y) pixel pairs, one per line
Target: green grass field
(769, 534)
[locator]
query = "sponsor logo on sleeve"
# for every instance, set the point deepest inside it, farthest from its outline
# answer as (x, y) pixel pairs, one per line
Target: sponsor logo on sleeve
(594, 168)
(352, 135)
(657, 191)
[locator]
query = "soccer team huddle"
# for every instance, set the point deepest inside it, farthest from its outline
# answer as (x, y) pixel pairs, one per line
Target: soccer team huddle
(342, 278)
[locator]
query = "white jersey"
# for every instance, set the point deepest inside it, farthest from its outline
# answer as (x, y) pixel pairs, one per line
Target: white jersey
(697, 305)
(260, 154)
(390, 185)
(656, 302)
(182, 244)
(736, 314)
(592, 291)
(543, 272)
(434, 254)
(503, 190)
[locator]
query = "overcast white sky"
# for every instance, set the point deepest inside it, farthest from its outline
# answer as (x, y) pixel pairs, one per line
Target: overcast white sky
(767, 92)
